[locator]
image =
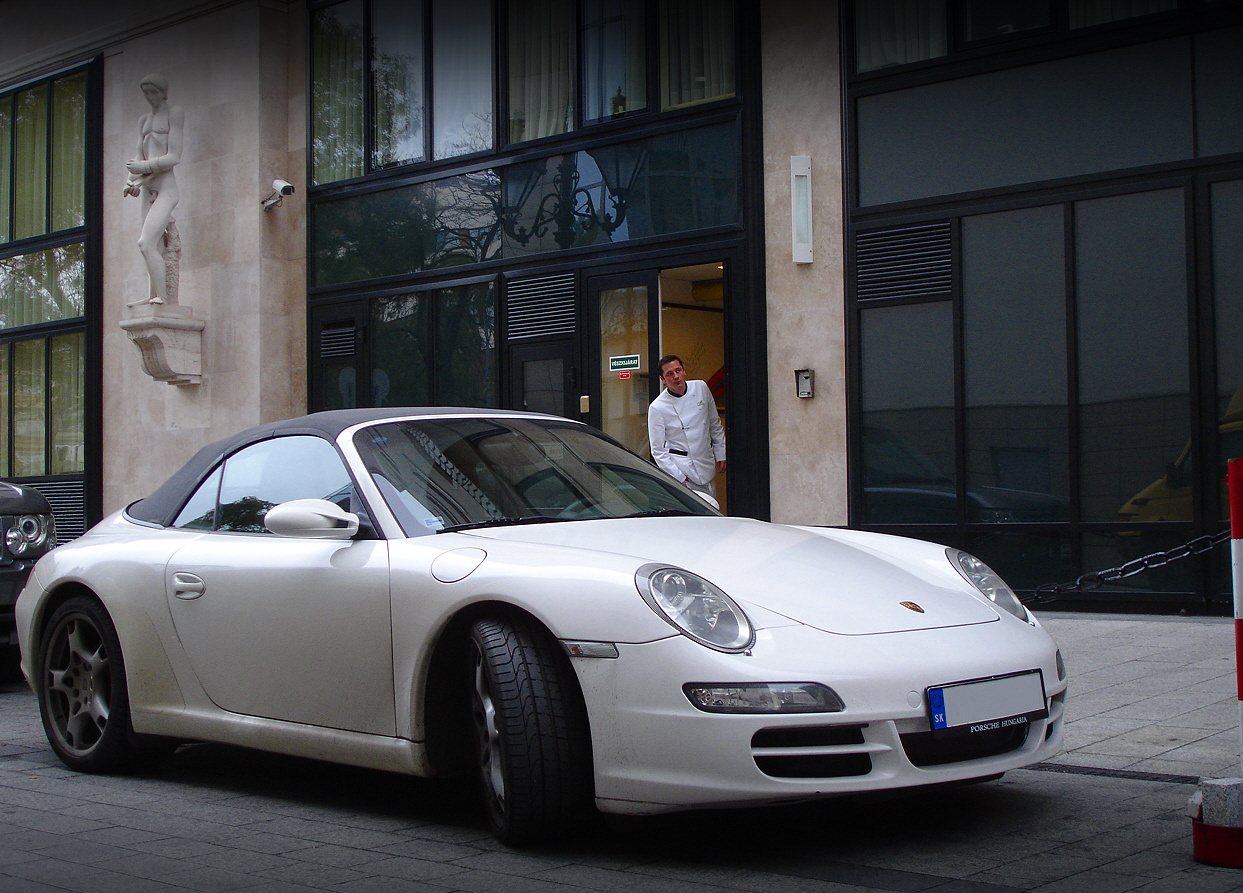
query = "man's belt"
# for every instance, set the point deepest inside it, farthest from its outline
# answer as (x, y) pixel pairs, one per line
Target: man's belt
(679, 452)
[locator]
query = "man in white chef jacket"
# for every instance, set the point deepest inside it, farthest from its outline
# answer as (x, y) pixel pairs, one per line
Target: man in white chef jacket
(684, 430)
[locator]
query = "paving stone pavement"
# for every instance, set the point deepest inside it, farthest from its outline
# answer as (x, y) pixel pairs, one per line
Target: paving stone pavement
(1152, 708)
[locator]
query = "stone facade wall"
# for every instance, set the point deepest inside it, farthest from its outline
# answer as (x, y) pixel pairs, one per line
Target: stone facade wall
(806, 319)
(237, 69)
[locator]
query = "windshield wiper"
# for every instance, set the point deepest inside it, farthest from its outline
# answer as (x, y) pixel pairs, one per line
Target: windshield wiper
(502, 522)
(664, 513)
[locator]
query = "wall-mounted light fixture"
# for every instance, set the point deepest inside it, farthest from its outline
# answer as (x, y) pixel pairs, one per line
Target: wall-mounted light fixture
(280, 189)
(800, 208)
(804, 382)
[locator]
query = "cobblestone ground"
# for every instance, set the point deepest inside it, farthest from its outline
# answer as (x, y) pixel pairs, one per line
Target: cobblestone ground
(213, 818)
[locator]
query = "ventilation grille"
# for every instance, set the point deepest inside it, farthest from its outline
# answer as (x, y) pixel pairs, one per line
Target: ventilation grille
(907, 262)
(337, 341)
(68, 501)
(540, 308)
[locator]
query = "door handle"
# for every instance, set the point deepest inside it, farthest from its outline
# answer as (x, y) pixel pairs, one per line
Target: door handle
(188, 586)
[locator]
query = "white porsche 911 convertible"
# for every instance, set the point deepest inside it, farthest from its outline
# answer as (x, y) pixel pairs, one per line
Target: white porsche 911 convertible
(447, 591)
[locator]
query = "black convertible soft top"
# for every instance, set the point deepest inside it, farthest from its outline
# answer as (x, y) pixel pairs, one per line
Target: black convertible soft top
(162, 506)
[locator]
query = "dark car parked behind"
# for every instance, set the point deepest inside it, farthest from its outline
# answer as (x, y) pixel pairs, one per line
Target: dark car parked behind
(27, 531)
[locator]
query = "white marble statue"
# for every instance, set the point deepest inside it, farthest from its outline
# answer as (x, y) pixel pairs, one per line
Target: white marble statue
(151, 177)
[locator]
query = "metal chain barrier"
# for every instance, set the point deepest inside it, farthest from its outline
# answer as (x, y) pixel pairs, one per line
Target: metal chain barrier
(1096, 579)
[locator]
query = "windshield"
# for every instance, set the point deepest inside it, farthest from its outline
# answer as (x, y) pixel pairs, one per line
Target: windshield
(448, 474)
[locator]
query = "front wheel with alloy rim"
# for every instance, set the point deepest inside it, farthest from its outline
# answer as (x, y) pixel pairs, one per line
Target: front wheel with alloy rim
(83, 699)
(533, 746)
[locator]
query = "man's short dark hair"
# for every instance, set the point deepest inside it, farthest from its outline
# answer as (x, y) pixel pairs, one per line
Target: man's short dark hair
(666, 360)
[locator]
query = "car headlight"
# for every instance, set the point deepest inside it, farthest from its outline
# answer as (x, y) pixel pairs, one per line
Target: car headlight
(763, 697)
(29, 536)
(986, 580)
(695, 607)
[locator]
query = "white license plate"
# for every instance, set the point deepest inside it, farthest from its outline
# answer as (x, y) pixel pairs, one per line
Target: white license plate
(986, 704)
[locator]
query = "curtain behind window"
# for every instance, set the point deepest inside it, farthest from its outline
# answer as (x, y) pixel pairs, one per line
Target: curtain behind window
(68, 397)
(541, 59)
(895, 32)
(6, 140)
(69, 152)
(337, 60)
(30, 169)
(614, 58)
(696, 51)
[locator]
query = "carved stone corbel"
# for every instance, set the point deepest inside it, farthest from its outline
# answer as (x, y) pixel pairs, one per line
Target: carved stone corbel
(170, 340)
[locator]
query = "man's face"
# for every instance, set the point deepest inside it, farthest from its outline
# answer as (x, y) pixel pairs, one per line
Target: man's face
(674, 376)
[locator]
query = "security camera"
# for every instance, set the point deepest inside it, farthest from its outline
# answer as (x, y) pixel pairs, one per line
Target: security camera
(280, 189)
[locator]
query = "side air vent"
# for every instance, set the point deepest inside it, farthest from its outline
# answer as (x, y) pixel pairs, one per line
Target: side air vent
(338, 341)
(905, 262)
(68, 501)
(540, 307)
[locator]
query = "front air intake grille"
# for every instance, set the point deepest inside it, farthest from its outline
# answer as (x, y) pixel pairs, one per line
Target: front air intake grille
(931, 749)
(811, 752)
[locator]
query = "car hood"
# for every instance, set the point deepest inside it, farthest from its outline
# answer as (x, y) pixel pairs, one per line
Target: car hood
(838, 581)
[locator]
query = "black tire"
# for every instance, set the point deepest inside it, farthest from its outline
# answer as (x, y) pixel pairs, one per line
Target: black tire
(83, 699)
(532, 742)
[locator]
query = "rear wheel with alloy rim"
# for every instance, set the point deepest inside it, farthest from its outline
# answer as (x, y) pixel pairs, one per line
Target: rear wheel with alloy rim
(532, 741)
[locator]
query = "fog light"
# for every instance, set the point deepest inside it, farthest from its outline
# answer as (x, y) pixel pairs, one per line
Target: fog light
(763, 697)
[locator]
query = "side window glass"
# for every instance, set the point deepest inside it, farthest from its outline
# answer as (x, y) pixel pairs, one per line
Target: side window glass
(200, 512)
(276, 471)
(238, 495)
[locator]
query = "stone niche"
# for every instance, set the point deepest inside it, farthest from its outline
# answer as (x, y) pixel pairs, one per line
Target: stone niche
(170, 340)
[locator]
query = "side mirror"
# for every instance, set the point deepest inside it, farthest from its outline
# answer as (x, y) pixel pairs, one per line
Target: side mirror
(711, 500)
(311, 519)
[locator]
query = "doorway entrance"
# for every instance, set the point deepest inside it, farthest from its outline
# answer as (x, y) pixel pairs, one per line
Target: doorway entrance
(641, 317)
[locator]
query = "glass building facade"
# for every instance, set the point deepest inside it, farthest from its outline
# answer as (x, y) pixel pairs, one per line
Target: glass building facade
(487, 176)
(1044, 225)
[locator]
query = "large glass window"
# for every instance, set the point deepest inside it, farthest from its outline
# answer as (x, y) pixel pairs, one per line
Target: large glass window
(1131, 293)
(43, 187)
(614, 59)
(1024, 125)
(1226, 207)
(696, 51)
(1097, 12)
(541, 68)
(673, 183)
(896, 32)
(397, 83)
(42, 157)
(46, 392)
(369, 107)
(990, 19)
(461, 77)
(42, 286)
(1014, 366)
(337, 108)
(908, 415)
(435, 347)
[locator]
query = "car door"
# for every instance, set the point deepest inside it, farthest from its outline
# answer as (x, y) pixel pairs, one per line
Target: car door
(280, 627)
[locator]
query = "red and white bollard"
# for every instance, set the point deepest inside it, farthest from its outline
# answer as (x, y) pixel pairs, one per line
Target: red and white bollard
(1216, 809)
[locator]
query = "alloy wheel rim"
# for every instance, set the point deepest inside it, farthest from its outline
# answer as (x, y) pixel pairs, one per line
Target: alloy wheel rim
(78, 684)
(488, 734)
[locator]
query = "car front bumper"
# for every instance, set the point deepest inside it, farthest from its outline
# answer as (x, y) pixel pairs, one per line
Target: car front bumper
(13, 577)
(654, 752)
